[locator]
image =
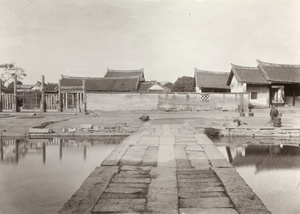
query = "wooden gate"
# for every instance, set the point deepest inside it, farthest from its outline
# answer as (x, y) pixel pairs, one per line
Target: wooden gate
(52, 102)
(8, 102)
(72, 101)
(31, 101)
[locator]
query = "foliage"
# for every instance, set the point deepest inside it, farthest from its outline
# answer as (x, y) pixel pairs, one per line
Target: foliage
(9, 71)
(168, 85)
(11, 84)
(184, 84)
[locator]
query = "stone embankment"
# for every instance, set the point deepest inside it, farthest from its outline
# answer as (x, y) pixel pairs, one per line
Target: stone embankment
(165, 167)
(283, 132)
(88, 130)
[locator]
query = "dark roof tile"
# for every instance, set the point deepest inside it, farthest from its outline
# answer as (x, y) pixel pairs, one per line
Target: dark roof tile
(125, 73)
(280, 73)
(211, 79)
(103, 84)
(250, 75)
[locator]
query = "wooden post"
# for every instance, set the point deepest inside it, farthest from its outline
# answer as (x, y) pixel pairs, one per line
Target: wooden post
(84, 96)
(15, 102)
(17, 150)
(77, 102)
(73, 99)
(270, 96)
(63, 106)
(44, 152)
(1, 95)
(84, 153)
(66, 98)
(294, 95)
(60, 148)
(1, 148)
(80, 102)
(43, 103)
(229, 154)
(59, 97)
(242, 102)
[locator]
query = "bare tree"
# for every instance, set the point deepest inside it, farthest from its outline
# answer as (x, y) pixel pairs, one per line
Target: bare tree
(9, 71)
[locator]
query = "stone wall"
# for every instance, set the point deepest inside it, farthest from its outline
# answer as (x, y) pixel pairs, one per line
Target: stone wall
(167, 102)
(121, 101)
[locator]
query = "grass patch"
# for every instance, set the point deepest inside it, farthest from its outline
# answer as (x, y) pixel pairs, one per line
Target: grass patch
(211, 132)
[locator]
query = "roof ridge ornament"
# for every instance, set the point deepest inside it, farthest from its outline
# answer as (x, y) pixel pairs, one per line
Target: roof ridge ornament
(241, 66)
(276, 64)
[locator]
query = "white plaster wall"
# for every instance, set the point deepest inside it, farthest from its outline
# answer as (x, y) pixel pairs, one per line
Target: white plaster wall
(121, 102)
(237, 87)
(262, 95)
(172, 101)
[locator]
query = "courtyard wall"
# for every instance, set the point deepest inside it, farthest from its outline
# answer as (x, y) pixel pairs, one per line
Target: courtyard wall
(167, 102)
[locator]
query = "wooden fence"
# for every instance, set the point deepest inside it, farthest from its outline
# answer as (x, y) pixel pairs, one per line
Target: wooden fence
(73, 101)
(8, 102)
(29, 102)
(52, 102)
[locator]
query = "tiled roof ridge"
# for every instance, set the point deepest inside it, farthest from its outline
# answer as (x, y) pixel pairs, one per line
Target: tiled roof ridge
(125, 70)
(262, 70)
(118, 78)
(207, 71)
(235, 68)
(276, 64)
(247, 67)
(99, 78)
(76, 77)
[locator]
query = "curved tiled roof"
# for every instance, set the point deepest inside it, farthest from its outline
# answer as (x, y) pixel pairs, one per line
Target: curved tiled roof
(211, 79)
(250, 75)
(114, 84)
(103, 84)
(71, 81)
(125, 73)
(281, 73)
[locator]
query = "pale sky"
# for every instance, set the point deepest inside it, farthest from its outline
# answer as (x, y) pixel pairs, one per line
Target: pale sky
(168, 38)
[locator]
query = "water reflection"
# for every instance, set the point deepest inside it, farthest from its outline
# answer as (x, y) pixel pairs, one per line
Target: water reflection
(271, 167)
(40, 175)
(264, 157)
(14, 150)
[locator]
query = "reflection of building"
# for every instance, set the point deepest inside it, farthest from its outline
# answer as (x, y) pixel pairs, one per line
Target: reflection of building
(13, 150)
(266, 157)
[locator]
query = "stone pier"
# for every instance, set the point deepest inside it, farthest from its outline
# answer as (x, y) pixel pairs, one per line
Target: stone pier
(165, 167)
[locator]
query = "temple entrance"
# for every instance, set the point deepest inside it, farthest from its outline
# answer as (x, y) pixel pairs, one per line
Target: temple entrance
(277, 95)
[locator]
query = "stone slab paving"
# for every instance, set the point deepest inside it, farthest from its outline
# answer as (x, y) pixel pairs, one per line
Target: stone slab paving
(165, 168)
(208, 211)
(85, 198)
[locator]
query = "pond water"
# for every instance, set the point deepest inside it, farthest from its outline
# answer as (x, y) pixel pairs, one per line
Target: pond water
(270, 167)
(40, 175)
